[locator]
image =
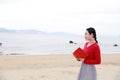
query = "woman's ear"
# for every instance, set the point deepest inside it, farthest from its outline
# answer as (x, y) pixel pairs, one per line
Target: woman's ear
(92, 35)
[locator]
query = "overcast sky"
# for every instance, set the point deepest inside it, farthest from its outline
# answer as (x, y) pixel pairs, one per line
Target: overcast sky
(72, 16)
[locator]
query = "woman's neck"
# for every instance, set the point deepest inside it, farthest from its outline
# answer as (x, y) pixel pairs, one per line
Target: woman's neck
(92, 41)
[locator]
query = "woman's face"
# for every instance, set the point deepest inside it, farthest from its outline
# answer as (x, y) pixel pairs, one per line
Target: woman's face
(88, 36)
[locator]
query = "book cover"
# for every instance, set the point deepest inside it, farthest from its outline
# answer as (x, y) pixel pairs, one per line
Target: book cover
(79, 53)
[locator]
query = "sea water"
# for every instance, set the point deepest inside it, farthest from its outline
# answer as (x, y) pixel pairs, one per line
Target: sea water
(42, 44)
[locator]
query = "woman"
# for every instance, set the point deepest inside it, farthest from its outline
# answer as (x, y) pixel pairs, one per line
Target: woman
(88, 70)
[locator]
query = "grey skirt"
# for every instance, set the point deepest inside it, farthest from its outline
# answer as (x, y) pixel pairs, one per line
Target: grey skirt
(87, 72)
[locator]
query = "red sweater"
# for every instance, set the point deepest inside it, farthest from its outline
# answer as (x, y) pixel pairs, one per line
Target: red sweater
(93, 52)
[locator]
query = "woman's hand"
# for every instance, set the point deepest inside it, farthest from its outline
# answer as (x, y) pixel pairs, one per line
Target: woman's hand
(80, 59)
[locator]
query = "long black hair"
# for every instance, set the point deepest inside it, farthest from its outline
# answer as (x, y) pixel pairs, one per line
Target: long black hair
(91, 30)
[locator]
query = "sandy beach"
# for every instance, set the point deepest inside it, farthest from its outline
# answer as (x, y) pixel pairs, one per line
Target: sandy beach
(54, 67)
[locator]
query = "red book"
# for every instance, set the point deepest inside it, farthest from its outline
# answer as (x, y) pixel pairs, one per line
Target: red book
(79, 53)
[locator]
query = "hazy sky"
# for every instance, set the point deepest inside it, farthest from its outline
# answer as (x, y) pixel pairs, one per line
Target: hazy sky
(72, 16)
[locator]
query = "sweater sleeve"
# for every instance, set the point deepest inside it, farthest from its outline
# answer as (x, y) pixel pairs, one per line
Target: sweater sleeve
(97, 57)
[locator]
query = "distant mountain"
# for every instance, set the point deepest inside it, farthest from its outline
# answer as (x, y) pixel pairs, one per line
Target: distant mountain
(64, 33)
(32, 31)
(4, 30)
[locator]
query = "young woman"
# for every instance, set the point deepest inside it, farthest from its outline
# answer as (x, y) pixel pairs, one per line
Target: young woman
(91, 47)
